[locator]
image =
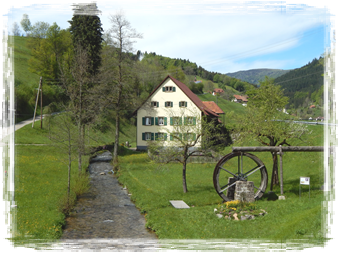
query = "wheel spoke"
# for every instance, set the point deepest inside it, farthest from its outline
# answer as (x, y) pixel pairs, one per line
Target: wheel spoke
(258, 189)
(253, 170)
(228, 171)
(227, 187)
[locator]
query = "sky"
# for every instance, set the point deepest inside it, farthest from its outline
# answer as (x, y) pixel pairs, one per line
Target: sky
(220, 36)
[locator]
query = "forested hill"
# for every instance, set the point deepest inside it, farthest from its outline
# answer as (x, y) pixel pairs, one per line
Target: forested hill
(256, 75)
(304, 85)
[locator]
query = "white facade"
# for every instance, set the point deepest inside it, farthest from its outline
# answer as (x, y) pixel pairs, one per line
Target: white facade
(167, 111)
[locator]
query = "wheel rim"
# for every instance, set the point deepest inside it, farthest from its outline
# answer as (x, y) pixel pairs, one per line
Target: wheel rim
(239, 167)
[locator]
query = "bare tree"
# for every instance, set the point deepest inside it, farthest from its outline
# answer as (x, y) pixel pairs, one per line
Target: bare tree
(116, 74)
(16, 29)
(77, 82)
(3, 27)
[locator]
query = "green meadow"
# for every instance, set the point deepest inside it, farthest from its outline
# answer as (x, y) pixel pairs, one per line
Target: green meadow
(298, 217)
(41, 183)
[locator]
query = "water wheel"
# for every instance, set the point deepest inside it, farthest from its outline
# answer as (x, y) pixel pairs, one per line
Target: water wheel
(239, 166)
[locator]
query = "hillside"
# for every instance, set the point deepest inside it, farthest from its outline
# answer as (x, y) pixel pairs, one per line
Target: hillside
(304, 86)
(256, 75)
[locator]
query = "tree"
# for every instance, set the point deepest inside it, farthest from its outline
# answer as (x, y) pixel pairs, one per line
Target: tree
(77, 83)
(331, 60)
(3, 27)
(86, 30)
(266, 123)
(191, 134)
(26, 24)
(16, 29)
(116, 76)
(39, 30)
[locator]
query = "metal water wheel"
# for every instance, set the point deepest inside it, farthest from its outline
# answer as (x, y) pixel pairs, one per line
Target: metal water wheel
(239, 166)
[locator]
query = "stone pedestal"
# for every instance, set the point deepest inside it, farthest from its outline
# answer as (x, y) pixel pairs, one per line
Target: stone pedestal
(244, 191)
(231, 190)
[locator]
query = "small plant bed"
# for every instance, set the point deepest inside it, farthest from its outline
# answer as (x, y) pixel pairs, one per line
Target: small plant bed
(238, 210)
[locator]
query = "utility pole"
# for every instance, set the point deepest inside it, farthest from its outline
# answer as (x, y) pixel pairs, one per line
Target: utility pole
(36, 102)
(41, 102)
(13, 162)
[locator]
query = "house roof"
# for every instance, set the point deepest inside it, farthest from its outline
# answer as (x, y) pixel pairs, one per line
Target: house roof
(213, 106)
(218, 90)
(187, 92)
(243, 98)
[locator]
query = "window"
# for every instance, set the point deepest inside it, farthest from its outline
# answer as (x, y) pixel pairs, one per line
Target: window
(189, 120)
(161, 121)
(168, 104)
(182, 104)
(160, 136)
(169, 89)
(154, 104)
(147, 136)
(189, 137)
(175, 136)
(147, 121)
(174, 121)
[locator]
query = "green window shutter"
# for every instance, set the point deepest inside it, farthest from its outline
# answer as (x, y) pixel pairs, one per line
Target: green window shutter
(174, 89)
(164, 104)
(180, 136)
(194, 137)
(185, 120)
(171, 137)
(156, 121)
(171, 121)
(194, 121)
(186, 104)
(180, 123)
(163, 89)
(152, 136)
(165, 137)
(143, 120)
(157, 103)
(185, 136)
(156, 136)
(171, 104)
(143, 136)
(152, 121)
(165, 121)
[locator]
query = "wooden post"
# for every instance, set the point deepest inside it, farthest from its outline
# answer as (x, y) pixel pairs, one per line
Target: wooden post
(41, 104)
(281, 170)
(36, 102)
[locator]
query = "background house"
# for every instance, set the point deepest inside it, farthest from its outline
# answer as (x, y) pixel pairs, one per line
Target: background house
(170, 104)
(241, 99)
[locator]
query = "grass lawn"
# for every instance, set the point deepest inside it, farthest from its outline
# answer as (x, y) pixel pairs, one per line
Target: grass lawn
(40, 184)
(295, 218)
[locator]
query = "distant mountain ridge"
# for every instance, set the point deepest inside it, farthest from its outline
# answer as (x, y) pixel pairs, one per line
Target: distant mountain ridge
(256, 75)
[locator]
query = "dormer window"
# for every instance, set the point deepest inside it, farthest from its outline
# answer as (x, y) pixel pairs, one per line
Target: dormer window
(182, 104)
(169, 89)
(154, 104)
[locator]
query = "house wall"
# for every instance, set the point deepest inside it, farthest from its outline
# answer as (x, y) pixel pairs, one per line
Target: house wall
(146, 110)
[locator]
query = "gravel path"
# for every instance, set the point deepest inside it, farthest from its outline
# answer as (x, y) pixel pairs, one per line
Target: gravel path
(106, 211)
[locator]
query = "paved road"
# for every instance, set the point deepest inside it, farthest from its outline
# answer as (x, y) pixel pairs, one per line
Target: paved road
(106, 211)
(9, 130)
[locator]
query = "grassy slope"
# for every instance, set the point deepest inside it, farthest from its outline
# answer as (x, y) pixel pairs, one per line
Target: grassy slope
(14, 55)
(152, 187)
(225, 105)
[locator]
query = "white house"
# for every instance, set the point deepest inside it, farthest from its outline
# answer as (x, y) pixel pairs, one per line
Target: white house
(170, 104)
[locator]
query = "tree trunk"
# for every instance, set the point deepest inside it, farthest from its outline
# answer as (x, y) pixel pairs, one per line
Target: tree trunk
(185, 189)
(80, 148)
(274, 176)
(116, 144)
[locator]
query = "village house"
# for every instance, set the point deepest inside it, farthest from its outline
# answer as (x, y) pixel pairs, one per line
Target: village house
(241, 99)
(217, 91)
(170, 104)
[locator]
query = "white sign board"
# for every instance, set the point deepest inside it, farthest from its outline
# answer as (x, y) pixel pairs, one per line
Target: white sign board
(305, 180)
